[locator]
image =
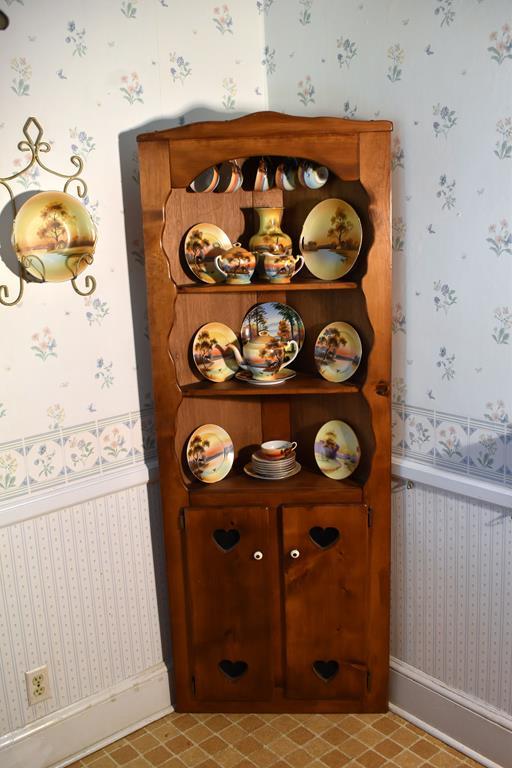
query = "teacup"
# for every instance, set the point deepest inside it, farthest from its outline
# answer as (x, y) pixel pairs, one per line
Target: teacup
(278, 449)
(311, 175)
(206, 181)
(264, 177)
(286, 175)
(280, 267)
(230, 176)
(236, 264)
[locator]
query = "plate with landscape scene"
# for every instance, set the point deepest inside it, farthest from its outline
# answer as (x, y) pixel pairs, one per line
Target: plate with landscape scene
(331, 239)
(203, 242)
(278, 320)
(337, 450)
(337, 351)
(210, 453)
(54, 236)
(213, 357)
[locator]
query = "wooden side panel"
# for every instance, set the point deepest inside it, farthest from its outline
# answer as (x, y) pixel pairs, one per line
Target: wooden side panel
(230, 610)
(325, 600)
(155, 183)
(376, 284)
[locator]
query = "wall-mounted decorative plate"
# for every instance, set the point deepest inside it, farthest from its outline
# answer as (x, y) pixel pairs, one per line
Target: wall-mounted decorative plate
(278, 320)
(212, 356)
(54, 236)
(210, 453)
(203, 243)
(337, 351)
(337, 450)
(331, 239)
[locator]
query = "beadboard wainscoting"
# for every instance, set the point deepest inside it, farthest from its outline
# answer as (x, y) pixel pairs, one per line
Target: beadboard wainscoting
(451, 618)
(78, 593)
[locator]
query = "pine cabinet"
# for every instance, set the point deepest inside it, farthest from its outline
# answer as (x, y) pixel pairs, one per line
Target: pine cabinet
(279, 590)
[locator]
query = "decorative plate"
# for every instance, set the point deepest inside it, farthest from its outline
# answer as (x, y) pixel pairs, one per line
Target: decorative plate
(279, 320)
(248, 469)
(212, 356)
(283, 375)
(338, 351)
(54, 236)
(203, 243)
(210, 453)
(331, 239)
(337, 450)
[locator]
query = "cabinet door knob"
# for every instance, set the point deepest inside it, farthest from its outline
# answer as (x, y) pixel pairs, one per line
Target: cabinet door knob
(295, 553)
(258, 555)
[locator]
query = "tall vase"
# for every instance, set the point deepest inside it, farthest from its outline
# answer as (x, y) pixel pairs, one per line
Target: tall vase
(270, 238)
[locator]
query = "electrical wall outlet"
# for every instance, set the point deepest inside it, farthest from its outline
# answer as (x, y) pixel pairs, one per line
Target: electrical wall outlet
(38, 685)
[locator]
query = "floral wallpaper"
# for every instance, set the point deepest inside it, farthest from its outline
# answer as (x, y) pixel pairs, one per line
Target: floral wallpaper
(75, 380)
(75, 372)
(441, 70)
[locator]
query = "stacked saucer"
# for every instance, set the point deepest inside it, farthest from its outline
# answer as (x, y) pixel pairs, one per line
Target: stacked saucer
(273, 464)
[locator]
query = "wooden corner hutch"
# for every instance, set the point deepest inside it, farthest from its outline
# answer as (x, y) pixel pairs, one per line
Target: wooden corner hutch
(276, 634)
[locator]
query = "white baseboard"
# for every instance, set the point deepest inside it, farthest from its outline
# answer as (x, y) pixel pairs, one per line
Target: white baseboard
(75, 731)
(465, 723)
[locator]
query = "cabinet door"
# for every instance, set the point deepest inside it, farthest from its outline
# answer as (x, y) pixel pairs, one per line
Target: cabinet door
(325, 601)
(229, 587)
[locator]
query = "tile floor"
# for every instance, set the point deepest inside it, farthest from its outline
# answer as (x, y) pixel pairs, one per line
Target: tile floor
(277, 741)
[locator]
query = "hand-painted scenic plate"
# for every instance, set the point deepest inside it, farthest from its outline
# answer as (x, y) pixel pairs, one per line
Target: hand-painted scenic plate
(278, 378)
(337, 450)
(212, 356)
(331, 239)
(338, 351)
(54, 236)
(249, 470)
(210, 453)
(279, 320)
(203, 243)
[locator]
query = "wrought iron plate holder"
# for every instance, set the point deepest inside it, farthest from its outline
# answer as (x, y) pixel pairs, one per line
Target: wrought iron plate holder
(36, 146)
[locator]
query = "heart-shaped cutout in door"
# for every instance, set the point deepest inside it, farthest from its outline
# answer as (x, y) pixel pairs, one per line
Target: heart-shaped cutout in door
(324, 537)
(226, 540)
(325, 670)
(233, 669)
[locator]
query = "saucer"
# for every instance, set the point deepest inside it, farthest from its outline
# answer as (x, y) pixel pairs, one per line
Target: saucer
(279, 378)
(248, 469)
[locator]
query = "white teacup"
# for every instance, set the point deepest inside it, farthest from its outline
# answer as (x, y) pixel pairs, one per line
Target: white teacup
(311, 175)
(278, 449)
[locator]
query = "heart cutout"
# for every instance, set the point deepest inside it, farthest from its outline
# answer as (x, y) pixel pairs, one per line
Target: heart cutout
(324, 537)
(233, 669)
(325, 670)
(226, 540)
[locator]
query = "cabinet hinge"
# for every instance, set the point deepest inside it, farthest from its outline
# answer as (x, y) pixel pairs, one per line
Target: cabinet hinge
(193, 685)
(182, 519)
(368, 680)
(370, 516)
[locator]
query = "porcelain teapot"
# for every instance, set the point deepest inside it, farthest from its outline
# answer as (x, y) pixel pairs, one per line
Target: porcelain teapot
(265, 355)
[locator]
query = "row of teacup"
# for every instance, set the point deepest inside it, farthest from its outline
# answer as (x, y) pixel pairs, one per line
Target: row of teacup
(261, 175)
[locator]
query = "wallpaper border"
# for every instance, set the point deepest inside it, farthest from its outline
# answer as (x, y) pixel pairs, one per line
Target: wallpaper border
(52, 460)
(462, 445)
